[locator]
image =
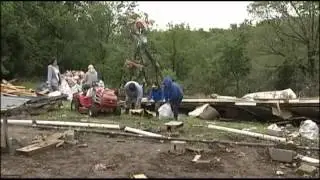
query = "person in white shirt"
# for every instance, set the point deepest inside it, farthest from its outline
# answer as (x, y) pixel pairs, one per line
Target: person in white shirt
(53, 77)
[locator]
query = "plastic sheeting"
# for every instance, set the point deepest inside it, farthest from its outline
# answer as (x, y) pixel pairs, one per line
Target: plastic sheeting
(165, 112)
(65, 89)
(309, 130)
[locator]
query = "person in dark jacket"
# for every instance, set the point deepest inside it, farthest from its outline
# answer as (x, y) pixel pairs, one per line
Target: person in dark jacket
(156, 94)
(173, 94)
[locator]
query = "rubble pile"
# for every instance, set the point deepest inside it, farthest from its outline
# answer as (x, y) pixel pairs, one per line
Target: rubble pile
(74, 77)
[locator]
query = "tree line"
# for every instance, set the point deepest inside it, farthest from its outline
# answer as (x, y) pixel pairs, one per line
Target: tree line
(280, 50)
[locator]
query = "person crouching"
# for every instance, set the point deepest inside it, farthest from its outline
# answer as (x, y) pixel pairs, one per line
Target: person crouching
(156, 95)
(134, 93)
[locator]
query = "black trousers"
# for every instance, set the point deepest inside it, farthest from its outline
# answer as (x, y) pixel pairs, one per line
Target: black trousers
(175, 105)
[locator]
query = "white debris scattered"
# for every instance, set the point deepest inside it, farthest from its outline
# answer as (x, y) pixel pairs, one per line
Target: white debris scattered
(309, 130)
(279, 173)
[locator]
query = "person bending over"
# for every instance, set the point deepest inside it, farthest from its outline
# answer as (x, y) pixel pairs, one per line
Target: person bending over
(134, 93)
(173, 94)
(156, 95)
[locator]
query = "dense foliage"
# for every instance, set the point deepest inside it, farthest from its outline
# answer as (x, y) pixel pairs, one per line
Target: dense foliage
(280, 51)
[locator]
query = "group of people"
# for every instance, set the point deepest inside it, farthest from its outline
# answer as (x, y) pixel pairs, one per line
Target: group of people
(170, 91)
(54, 78)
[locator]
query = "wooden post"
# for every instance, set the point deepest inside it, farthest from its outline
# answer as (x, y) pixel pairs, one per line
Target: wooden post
(5, 132)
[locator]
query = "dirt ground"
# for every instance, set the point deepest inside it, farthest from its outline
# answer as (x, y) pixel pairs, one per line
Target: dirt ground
(122, 157)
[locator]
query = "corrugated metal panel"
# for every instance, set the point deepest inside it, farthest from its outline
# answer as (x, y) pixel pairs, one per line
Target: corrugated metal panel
(12, 102)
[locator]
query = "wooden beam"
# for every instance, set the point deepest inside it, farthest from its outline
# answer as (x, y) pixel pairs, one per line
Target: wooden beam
(252, 134)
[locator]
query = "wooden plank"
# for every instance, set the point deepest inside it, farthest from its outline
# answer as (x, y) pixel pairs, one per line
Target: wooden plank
(7, 94)
(245, 103)
(196, 158)
(8, 86)
(50, 142)
(252, 134)
(139, 176)
(20, 87)
(4, 130)
(39, 147)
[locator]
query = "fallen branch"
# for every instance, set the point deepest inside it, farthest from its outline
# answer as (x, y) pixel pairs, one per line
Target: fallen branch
(113, 133)
(252, 134)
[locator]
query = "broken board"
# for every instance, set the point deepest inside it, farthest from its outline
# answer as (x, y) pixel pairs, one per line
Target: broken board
(35, 148)
(50, 142)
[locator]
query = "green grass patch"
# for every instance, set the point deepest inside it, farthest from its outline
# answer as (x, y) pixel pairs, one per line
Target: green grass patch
(30, 84)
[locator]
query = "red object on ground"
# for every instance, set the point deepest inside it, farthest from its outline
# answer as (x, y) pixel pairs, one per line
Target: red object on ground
(102, 100)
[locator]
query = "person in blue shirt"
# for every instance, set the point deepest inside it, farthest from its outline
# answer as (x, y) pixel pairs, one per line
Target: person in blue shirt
(156, 94)
(173, 94)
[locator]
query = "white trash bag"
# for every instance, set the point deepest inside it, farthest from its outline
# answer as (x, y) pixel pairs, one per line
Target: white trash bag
(309, 130)
(165, 112)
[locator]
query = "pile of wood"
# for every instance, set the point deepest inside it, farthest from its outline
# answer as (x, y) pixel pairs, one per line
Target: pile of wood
(7, 89)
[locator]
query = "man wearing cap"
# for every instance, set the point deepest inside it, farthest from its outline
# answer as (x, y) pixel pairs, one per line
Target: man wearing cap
(134, 93)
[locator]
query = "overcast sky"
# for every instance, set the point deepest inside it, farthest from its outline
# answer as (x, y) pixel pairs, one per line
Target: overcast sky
(199, 14)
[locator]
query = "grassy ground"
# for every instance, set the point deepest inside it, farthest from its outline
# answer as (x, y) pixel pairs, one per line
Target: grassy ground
(193, 127)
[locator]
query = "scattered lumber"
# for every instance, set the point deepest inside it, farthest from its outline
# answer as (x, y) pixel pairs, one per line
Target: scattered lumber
(113, 133)
(9, 89)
